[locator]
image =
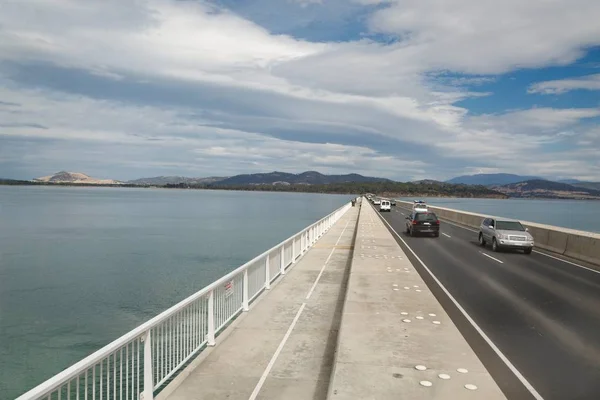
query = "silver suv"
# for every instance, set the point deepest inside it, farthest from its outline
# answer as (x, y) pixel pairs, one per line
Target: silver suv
(505, 233)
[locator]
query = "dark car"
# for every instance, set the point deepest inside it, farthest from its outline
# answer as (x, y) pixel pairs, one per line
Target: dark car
(392, 202)
(423, 223)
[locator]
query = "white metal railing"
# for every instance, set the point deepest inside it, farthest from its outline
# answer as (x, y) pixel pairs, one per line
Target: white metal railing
(138, 363)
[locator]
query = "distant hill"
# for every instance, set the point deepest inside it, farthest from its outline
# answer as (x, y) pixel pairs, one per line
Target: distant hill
(174, 180)
(540, 188)
(305, 178)
(587, 185)
(75, 177)
(491, 179)
(569, 181)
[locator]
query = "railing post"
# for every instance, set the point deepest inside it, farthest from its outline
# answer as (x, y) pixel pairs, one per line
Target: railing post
(147, 393)
(211, 319)
(282, 260)
(245, 291)
(267, 273)
(294, 250)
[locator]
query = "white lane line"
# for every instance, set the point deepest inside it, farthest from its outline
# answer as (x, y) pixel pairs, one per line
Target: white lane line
(310, 292)
(493, 258)
(535, 251)
(445, 234)
(263, 377)
(506, 361)
(565, 261)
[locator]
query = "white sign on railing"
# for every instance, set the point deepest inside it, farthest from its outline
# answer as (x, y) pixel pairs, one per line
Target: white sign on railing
(228, 288)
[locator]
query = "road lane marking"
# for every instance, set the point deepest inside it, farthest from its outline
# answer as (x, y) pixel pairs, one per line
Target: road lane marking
(535, 251)
(310, 292)
(493, 258)
(446, 234)
(495, 348)
(263, 377)
(568, 262)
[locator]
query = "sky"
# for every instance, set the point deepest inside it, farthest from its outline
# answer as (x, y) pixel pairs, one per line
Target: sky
(401, 89)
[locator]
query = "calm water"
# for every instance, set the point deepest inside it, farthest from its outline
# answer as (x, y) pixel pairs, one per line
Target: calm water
(81, 266)
(574, 214)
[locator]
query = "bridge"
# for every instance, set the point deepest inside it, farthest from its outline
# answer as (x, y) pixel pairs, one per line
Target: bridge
(352, 308)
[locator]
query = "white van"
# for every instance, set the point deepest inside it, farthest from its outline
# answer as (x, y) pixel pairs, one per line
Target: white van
(385, 206)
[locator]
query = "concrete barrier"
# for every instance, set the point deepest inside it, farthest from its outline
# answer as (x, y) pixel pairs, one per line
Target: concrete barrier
(580, 245)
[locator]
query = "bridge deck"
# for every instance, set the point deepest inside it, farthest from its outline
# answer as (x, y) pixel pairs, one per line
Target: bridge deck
(283, 347)
(392, 325)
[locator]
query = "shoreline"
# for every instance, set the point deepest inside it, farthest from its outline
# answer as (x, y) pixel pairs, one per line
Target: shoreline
(282, 189)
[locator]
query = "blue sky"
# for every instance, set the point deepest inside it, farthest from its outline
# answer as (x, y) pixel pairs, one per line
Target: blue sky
(406, 90)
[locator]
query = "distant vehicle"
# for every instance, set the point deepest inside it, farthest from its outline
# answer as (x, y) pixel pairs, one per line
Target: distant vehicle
(385, 206)
(419, 206)
(393, 203)
(505, 234)
(423, 222)
(377, 202)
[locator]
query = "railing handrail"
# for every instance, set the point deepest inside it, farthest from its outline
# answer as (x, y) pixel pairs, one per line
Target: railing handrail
(94, 358)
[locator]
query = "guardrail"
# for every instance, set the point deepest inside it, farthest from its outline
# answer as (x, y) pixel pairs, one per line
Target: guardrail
(580, 245)
(137, 364)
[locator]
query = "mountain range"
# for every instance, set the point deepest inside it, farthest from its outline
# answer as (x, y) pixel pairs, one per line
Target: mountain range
(540, 188)
(491, 179)
(305, 178)
(271, 178)
(507, 179)
(508, 184)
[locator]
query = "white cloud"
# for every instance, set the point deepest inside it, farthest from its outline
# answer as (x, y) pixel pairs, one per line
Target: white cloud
(147, 134)
(397, 94)
(589, 82)
(487, 37)
(190, 39)
(542, 119)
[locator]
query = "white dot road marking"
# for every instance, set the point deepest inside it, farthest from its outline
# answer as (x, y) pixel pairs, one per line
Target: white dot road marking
(403, 313)
(426, 383)
(444, 376)
(437, 322)
(419, 317)
(493, 258)
(432, 315)
(485, 337)
(470, 387)
(406, 320)
(445, 234)
(420, 367)
(462, 370)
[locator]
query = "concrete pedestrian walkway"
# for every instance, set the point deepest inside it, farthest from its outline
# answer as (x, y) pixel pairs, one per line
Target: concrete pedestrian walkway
(283, 347)
(396, 341)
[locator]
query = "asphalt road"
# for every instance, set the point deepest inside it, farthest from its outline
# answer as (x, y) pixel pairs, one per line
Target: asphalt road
(542, 314)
